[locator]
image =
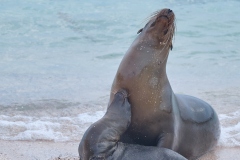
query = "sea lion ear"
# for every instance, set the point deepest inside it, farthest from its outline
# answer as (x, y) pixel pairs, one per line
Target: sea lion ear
(171, 46)
(140, 30)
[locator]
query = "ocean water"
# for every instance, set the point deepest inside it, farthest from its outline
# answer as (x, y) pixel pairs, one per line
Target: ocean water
(59, 58)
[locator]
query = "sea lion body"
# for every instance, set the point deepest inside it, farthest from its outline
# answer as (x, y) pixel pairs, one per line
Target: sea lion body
(101, 140)
(152, 122)
(161, 118)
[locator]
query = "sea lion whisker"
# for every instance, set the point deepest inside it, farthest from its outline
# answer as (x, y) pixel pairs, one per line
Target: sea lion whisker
(167, 36)
(153, 15)
(175, 28)
(169, 27)
(166, 55)
(164, 47)
(171, 31)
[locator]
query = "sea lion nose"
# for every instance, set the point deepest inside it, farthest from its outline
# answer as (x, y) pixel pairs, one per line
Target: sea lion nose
(169, 10)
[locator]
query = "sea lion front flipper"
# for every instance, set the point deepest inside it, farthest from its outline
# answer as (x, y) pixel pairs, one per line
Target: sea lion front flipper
(100, 139)
(193, 109)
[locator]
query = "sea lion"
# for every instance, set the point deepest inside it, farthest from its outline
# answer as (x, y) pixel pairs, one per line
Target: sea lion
(161, 118)
(101, 140)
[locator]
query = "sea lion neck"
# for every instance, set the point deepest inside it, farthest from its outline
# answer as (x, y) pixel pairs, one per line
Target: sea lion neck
(143, 66)
(149, 52)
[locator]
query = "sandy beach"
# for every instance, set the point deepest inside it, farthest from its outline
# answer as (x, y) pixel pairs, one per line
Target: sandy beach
(45, 150)
(50, 150)
(38, 150)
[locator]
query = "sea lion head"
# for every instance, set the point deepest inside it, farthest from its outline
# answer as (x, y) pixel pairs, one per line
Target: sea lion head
(160, 28)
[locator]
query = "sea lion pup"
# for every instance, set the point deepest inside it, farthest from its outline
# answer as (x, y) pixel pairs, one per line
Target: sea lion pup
(101, 140)
(161, 118)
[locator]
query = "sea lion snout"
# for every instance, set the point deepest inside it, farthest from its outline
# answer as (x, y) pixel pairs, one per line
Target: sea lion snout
(162, 27)
(166, 13)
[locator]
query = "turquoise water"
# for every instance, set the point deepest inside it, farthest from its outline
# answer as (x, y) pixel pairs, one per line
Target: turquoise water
(62, 56)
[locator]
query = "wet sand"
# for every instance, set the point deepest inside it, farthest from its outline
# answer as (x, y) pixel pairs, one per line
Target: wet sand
(45, 150)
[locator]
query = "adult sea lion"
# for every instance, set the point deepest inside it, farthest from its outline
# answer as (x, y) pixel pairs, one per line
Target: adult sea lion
(161, 118)
(100, 141)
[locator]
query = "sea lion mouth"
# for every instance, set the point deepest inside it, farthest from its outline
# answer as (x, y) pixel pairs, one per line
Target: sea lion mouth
(164, 16)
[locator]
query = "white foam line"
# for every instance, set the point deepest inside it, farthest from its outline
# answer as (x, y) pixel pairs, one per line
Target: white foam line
(90, 118)
(230, 135)
(72, 128)
(46, 128)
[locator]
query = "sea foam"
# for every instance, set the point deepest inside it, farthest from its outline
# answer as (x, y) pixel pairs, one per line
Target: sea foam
(230, 129)
(60, 129)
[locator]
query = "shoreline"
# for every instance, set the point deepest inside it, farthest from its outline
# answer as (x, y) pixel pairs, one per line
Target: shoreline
(49, 150)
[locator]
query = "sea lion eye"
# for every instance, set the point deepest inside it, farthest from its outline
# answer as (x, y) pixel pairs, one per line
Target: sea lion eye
(153, 24)
(140, 30)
